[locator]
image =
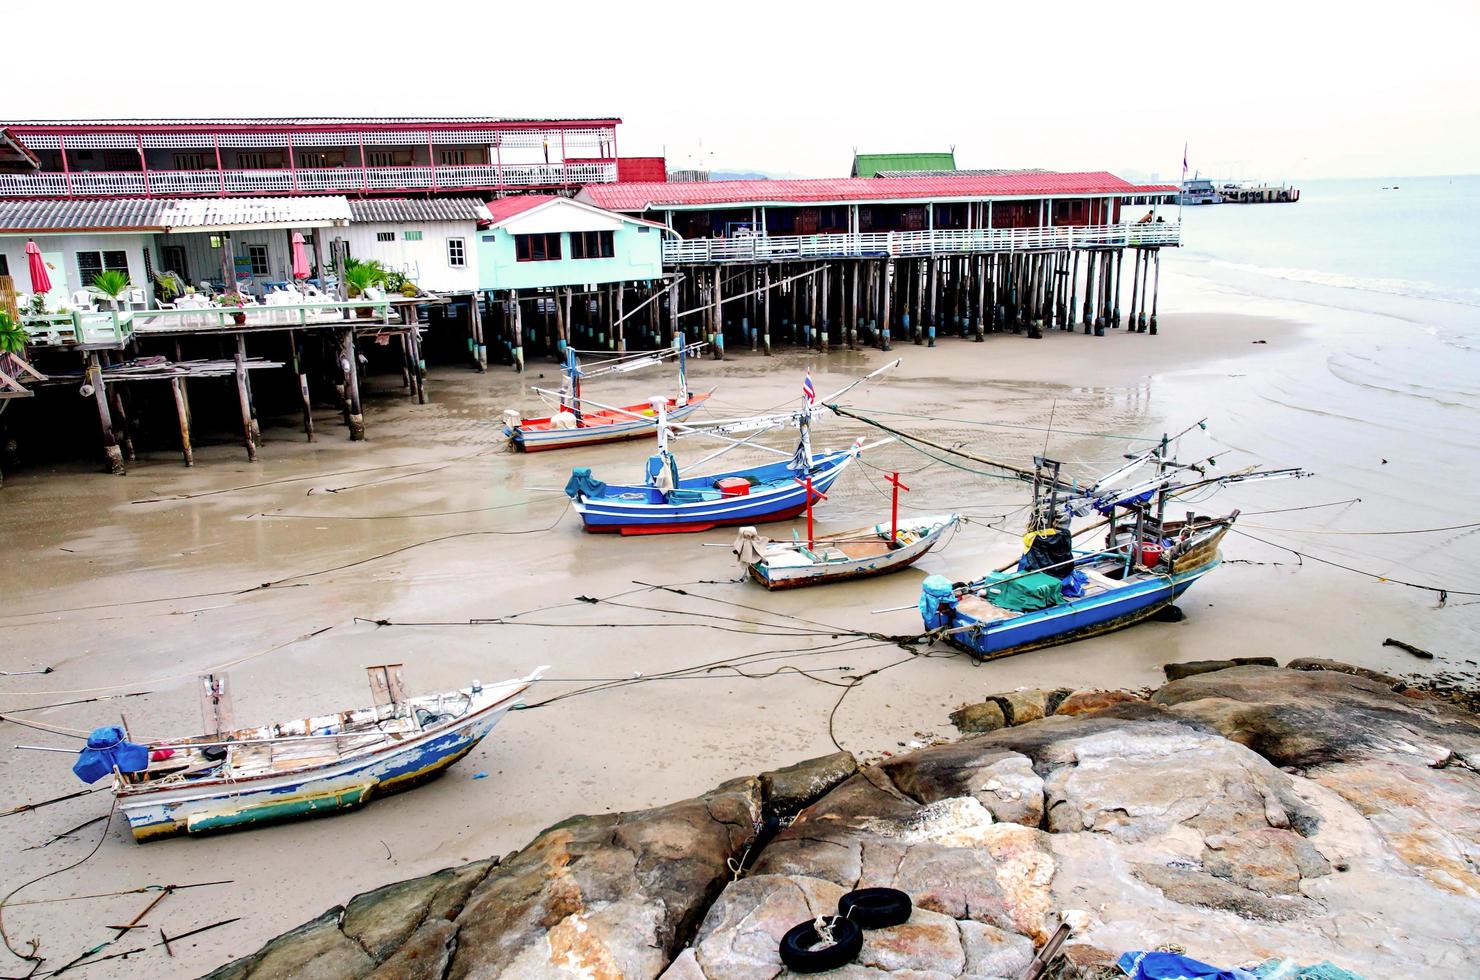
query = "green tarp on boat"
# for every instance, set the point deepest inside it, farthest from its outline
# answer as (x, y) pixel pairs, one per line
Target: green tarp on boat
(1024, 593)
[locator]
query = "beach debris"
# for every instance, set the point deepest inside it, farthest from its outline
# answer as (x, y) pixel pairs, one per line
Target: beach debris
(27, 807)
(18, 673)
(480, 775)
(1419, 652)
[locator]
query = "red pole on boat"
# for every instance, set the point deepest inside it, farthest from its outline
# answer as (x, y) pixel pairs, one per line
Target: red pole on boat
(894, 513)
(810, 492)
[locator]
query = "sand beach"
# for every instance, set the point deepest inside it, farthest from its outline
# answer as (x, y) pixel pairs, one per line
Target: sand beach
(434, 547)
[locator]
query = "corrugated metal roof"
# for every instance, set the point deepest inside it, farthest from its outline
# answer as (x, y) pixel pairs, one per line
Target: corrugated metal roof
(118, 214)
(310, 121)
(506, 207)
(984, 172)
(853, 190)
(868, 164)
(228, 212)
(417, 209)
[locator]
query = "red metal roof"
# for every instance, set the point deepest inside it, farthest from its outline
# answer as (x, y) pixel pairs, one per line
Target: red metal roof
(643, 196)
(642, 169)
(278, 123)
(507, 207)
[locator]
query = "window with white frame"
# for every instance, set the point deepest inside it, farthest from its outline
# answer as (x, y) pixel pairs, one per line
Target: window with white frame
(258, 160)
(257, 257)
(380, 158)
(385, 236)
(411, 236)
(452, 158)
(192, 161)
(456, 253)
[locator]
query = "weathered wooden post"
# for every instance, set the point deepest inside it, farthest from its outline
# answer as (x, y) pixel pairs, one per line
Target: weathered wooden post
(1135, 284)
(244, 397)
(887, 299)
(766, 310)
(516, 330)
(182, 414)
(480, 349)
(111, 452)
(1155, 288)
(349, 360)
(853, 319)
(295, 351)
(1115, 309)
(719, 319)
(618, 326)
(1089, 291)
(120, 422)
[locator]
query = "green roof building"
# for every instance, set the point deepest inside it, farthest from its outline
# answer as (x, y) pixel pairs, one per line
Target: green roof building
(870, 164)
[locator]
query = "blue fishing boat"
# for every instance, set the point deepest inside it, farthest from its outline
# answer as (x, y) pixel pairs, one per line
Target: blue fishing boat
(757, 495)
(1057, 594)
(668, 502)
(1108, 590)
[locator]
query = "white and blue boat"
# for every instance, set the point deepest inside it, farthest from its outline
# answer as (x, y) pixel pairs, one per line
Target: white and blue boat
(1056, 594)
(668, 502)
(304, 767)
(1119, 587)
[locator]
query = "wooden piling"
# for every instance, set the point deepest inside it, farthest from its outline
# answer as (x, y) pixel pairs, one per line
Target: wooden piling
(244, 398)
(355, 417)
(111, 453)
(885, 303)
(480, 349)
(120, 422)
(1155, 288)
(719, 322)
(182, 415)
(619, 327)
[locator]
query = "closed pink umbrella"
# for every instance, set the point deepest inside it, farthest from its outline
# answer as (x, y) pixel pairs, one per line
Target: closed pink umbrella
(40, 279)
(300, 258)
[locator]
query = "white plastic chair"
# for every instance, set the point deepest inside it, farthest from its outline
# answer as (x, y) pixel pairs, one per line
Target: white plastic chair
(83, 300)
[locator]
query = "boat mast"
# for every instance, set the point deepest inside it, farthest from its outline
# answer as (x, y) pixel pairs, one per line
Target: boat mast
(683, 379)
(573, 377)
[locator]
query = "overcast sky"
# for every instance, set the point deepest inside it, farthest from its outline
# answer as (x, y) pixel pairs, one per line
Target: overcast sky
(1257, 90)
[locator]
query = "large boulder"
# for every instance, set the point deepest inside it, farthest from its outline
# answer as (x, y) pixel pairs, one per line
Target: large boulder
(788, 790)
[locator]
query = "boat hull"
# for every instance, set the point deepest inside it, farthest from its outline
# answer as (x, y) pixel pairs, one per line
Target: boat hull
(1093, 615)
(536, 436)
(642, 510)
(776, 577)
(208, 807)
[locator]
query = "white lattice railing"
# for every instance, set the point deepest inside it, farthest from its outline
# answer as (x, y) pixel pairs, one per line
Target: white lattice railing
(905, 244)
(107, 328)
(308, 180)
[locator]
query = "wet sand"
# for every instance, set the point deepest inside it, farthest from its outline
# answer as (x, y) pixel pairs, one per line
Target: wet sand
(140, 583)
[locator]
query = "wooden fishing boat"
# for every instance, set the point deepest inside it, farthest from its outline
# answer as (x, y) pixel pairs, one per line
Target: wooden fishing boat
(565, 430)
(864, 553)
(668, 502)
(1118, 590)
(757, 495)
(581, 422)
(1056, 594)
(309, 766)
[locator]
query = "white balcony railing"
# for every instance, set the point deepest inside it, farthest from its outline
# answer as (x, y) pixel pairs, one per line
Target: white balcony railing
(108, 328)
(316, 180)
(908, 244)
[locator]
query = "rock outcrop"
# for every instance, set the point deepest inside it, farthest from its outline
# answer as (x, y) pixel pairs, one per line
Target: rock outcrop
(1245, 813)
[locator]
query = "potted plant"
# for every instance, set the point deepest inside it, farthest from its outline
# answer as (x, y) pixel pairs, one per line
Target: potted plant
(360, 276)
(237, 303)
(112, 285)
(13, 336)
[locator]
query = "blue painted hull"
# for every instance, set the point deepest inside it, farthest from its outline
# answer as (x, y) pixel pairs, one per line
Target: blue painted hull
(695, 505)
(1075, 619)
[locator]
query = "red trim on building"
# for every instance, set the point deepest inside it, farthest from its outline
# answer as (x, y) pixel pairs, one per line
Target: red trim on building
(643, 196)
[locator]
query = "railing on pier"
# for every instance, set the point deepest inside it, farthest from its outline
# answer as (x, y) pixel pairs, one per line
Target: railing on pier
(912, 244)
(308, 180)
(110, 328)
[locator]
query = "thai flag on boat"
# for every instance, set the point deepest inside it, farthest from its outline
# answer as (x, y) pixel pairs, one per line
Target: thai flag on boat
(808, 392)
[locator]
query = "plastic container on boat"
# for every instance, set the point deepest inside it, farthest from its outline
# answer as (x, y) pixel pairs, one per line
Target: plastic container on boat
(733, 486)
